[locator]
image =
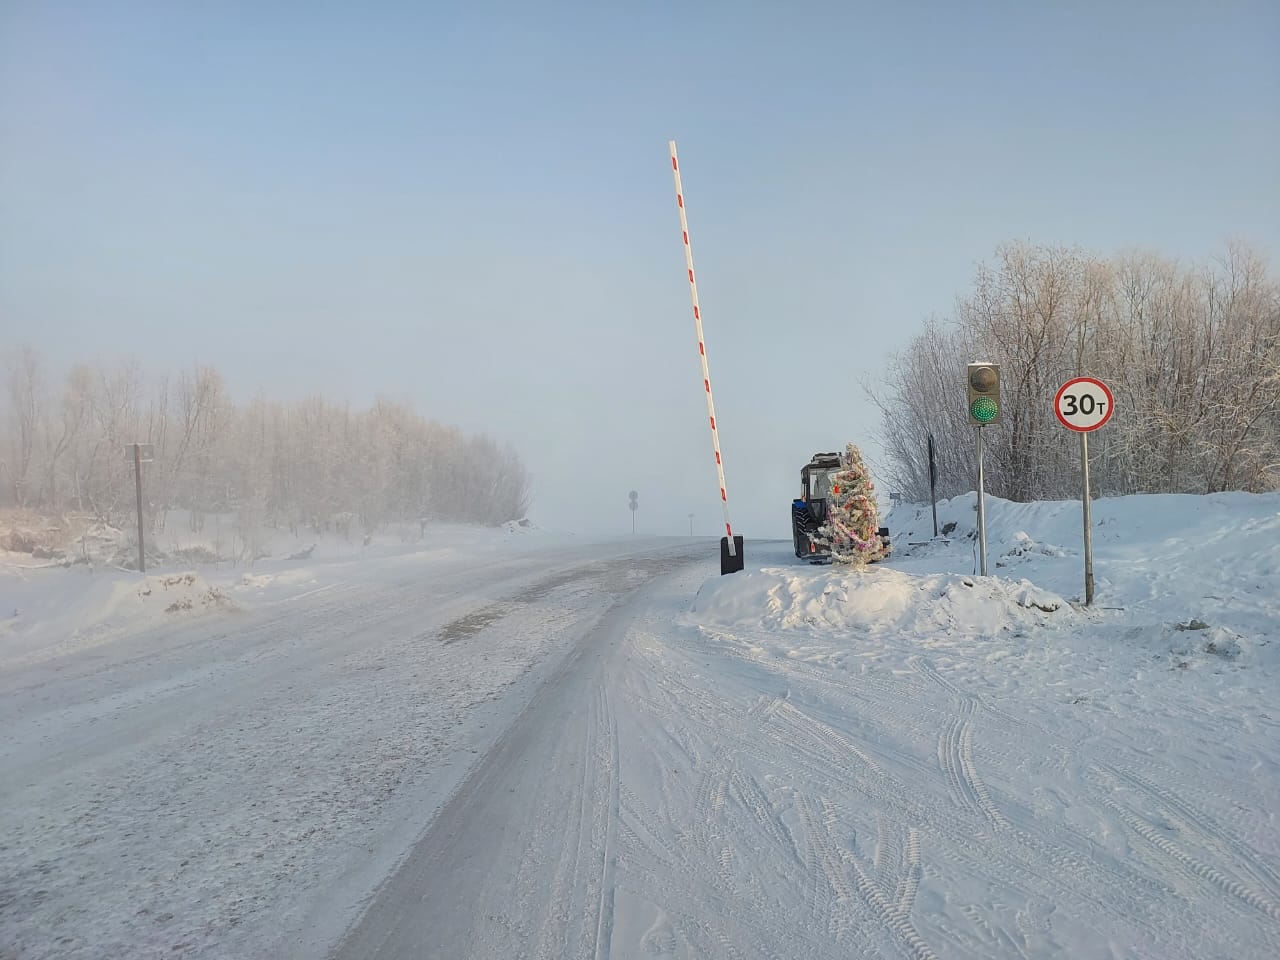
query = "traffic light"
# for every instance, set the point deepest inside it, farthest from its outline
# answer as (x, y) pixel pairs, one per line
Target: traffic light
(984, 393)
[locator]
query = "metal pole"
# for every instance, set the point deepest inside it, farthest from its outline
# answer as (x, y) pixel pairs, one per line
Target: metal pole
(137, 477)
(691, 524)
(982, 513)
(933, 485)
(1088, 520)
(702, 346)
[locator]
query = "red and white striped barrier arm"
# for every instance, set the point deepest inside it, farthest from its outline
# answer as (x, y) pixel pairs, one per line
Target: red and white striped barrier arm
(702, 346)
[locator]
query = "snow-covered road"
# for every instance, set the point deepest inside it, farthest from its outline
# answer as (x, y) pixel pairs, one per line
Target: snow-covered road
(575, 751)
(234, 784)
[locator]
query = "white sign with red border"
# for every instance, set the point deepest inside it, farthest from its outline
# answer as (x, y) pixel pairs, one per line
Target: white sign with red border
(1083, 404)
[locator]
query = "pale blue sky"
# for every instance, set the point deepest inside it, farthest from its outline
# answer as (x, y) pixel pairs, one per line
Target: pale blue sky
(469, 206)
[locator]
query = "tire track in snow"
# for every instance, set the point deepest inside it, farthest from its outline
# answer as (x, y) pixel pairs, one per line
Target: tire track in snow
(1190, 864)
(890, 916)
(682, 885)
(970, 771)
(748, 792)
(926, 669)
(838, 899)
(609, 759)
(880, 697)
(929, 671)
(949, 762)
(670, 891)
(1199, 822)
(1055, 872)
(553, 939)
(955, 757)
(633, 811)
(824, 734)
(909, 885)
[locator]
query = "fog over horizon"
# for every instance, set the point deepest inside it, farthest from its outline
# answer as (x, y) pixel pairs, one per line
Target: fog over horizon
(470, 210)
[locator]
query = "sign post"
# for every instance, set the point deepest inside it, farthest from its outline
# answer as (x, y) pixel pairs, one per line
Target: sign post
(635, 505)
(1084, 405)
(138, 453)
(933, 486)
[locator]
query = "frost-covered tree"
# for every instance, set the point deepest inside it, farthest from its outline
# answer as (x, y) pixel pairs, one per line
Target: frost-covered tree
(304, 465)
(1192, 355)
(853, 519)
(24, 391)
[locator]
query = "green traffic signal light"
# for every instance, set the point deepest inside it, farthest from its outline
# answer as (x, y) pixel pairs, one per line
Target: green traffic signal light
(984, 409)
(984, 394)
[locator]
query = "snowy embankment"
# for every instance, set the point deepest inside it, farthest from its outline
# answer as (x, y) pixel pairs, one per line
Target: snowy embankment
(1191, 581)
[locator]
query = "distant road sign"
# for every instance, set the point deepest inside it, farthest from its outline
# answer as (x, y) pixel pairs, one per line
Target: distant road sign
(146, 452)
(1083, 404)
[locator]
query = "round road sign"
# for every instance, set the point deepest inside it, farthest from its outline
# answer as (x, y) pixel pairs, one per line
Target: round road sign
(1083, 404)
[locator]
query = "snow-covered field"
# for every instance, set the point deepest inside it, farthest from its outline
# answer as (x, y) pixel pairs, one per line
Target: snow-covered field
(498, 744)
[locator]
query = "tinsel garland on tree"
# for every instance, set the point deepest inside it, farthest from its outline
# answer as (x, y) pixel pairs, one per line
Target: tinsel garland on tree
(852, 515)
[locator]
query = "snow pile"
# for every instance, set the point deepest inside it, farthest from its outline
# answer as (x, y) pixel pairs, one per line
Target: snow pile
(1159, 561)
(877, 600)
(44, 625)
(31, 541)
(177, 593)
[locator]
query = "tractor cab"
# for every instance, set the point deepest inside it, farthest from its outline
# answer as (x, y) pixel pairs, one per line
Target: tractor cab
(809, 511)
(816, 477)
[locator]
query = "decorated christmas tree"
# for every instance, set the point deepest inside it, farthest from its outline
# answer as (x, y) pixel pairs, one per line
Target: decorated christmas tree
(852, 516)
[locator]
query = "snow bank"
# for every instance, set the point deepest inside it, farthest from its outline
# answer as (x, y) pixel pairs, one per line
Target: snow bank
(876, 600)
(64, 611)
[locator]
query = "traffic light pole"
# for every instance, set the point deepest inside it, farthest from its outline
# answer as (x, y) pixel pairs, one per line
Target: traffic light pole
(982, 513)
(984, 409)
